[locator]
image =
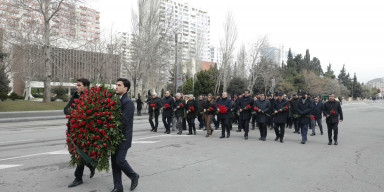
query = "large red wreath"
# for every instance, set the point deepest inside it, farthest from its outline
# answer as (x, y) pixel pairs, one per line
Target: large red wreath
(94, 127)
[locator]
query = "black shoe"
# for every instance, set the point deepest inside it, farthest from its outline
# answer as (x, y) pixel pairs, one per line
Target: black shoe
(189, 134)
(92, 169)
(222, 136)
(155, 130)
(228, 135)
(295, 132)
(211, 132)
(277, 138)
(179, 133)
(321, 133)
(207, 135)
(168, 132)
(238, 130)
(135, 182)
(151, 130)
(75, 183)
(246, 137)
(117, 190)
(165, 131)
(298, 132)
(302, 142)
(336, 143)
(313, 134)
(263, 139)
(281, 141)
(260, 138)
(330, 143)
(194, 132)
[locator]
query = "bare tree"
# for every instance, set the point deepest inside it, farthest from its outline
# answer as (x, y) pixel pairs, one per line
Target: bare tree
(227, 46)
(152, 32)
(254, 59)
(241, 63)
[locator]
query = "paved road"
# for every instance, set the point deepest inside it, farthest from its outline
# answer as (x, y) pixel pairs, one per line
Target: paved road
(33, 157)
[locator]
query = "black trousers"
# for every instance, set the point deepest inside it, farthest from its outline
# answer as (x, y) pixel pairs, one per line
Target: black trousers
(119, 164)
(167, 122)
(184, 124)
(335, 128)
(139, 112)
(280, 133)
(80, 170)
(154, 126)
(224, 125)
(191, 124)
(263, 130)
(244, 125)
(253, 121)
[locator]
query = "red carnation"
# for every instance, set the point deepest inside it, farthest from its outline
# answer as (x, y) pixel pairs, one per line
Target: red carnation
(99, 121)
(286, 107)
(192, 108)
(181, 104)
(211, 108)
(105, 145)
(333, 111)
(89, 111)
(67, 116)
(152, 105)
(109, 94)
(113, 102)
(312, 117)
(166, 105)
(248, 106)
(80, 136)
(255, 108)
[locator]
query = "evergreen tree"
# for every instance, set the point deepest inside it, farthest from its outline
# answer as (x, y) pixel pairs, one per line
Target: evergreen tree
(307, 60)
(4, 80)
(290, 62)
(330, 73)
(316, 66)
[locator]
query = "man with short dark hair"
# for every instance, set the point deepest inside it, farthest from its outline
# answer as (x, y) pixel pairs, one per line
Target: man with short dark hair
(316, 115)
(167, 111)
(119, 164)
(304, 109)
(280, 107)
(81, 85)
(333, 112)
(245, 105)
(262, 106)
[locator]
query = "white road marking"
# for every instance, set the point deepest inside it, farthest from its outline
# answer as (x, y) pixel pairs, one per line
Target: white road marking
(168, 135)
(8, 166)
(62, 152)
(144, 142)
(17, 141)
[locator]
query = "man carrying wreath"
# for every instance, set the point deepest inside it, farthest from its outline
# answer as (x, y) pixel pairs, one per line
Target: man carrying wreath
(119, 164)
(81, 85)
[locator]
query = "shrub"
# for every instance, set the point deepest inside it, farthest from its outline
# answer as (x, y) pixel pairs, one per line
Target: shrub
(64, 98)
(53, 98)
(14, 96)
(60, 91)
(3, 96)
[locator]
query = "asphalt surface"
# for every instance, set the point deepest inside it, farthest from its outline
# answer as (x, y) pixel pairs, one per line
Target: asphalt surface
(33, 157)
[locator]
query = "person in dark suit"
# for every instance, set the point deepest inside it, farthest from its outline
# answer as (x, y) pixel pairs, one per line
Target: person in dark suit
(280, 108)
(81, 85)
(191, 111)
(245, 109)
(156, 102)
(167, 111)
(333, 112)
(139, 106)
(316, 115)
(304, 109)
(119, 164)
(223, 117)
(178, 109)
(263, 106)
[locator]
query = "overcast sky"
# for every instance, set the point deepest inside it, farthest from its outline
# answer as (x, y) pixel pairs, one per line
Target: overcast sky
(339, 32)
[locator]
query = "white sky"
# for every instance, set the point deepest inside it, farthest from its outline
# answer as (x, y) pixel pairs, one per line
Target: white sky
(340, 32)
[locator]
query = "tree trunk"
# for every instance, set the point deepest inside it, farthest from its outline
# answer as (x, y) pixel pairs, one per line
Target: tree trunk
(47, 54)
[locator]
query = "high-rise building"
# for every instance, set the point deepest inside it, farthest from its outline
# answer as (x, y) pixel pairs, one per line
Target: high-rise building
(193, 27)
(71, 21)
(216, 55)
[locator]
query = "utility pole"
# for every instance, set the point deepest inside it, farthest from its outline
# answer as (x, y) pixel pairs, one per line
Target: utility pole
(176, 71)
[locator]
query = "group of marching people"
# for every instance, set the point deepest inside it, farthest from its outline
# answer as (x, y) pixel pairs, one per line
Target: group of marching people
(276, 111)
